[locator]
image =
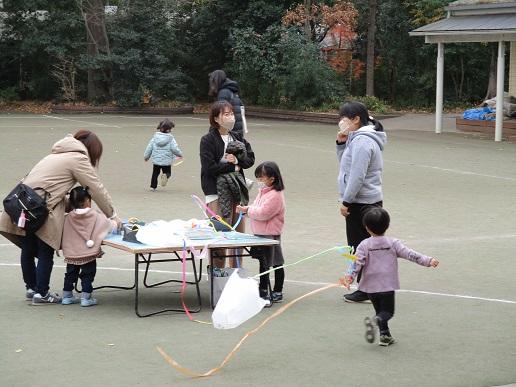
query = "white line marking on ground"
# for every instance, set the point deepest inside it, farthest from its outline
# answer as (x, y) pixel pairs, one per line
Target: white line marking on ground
(304, 283)
(452, 170)
(480, 238)
(82, 122)
(158, 117)
(458, 296)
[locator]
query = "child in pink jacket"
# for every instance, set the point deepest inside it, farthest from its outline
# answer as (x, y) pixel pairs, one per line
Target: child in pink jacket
(377, 257)
(267, 214)
(83, 232)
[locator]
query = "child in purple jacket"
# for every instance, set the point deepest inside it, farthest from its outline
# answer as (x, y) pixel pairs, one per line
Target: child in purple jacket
(377, 257)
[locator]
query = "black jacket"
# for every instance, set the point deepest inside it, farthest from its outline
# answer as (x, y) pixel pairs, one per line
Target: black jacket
(211, 150)
(229, 92)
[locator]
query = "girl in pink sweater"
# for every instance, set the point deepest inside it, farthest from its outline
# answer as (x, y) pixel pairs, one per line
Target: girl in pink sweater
(83, 232)
(267, 214)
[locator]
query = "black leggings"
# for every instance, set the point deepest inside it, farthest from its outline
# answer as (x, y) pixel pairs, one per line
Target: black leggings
(85, 272)
(156, 169)
(384, 307)
(279, 278)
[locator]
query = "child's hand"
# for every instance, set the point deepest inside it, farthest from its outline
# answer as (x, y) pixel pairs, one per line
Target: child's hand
(434, 262)
(146, 159)
(346, 281)
(242, 209)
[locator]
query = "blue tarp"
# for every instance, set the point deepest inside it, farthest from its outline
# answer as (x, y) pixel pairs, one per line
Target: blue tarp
(484, 113)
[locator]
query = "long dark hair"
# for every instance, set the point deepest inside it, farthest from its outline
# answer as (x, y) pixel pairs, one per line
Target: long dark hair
(357, 109)
(92, 144)
(270, 169)
(78, 197)
(217, 79)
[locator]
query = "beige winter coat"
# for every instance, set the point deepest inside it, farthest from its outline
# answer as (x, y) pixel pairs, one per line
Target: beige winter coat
(57, 173)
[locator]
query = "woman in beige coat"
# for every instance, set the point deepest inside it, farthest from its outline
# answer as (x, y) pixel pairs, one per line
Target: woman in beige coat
(72, 160)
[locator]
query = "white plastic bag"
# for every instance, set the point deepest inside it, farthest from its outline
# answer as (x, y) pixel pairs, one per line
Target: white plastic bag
(244, 121)
(239, 301)
(160, 233)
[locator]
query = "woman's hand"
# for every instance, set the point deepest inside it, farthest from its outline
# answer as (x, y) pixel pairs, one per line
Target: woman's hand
(344, 210)
(434, 262)
(242, 209)
(231, 158)
(342, 135)
(118, 222)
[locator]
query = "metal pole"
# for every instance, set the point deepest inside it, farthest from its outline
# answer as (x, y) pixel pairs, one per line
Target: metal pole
(439, 89)
(500, 80)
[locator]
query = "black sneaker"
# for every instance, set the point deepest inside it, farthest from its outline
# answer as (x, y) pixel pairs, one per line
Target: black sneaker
(356, 296)
(386, 340)
(277, 296)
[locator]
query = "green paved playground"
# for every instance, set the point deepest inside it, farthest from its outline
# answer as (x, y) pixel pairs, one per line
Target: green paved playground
(451, 196)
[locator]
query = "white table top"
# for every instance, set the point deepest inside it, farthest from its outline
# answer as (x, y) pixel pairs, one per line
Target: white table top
(231, 239)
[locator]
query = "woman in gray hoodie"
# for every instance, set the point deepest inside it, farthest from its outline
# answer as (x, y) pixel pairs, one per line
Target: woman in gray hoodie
(360, 142)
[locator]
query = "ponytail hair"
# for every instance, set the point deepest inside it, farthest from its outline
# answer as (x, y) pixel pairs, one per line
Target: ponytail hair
(165, 126)
(78, 197)
(357, 109)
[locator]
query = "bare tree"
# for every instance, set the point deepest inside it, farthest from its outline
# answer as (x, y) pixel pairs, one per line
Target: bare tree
(64, 71)
(371, 32)
(491, 86)
(93, 13)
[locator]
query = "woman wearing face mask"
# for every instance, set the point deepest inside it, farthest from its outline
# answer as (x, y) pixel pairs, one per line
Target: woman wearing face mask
(216, 161)
(360, 142)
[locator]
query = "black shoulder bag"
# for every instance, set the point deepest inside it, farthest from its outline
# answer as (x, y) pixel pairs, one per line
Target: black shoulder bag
(26, 208)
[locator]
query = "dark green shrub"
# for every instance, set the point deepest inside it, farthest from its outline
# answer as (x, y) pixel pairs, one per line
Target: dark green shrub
(8, 94)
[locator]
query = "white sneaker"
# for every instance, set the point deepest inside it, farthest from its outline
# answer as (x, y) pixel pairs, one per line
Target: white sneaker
(164, 180)
(29, 294)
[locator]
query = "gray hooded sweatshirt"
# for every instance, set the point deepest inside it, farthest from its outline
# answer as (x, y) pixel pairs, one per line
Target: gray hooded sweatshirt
(360, 166)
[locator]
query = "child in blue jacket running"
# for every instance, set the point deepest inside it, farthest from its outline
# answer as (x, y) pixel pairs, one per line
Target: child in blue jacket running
(162, 150)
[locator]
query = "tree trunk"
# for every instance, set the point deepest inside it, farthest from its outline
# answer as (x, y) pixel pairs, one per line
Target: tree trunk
(99, 79)
(371, 32)
(392, 81)
(491, 85)
(307, 25)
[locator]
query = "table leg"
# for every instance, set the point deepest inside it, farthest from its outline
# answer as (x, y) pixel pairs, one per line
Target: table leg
(211, 279)
(147, 262)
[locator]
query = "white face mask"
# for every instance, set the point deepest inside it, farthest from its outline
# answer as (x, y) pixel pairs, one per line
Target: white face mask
(228, 122)
(261, 184)
(343, 127)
